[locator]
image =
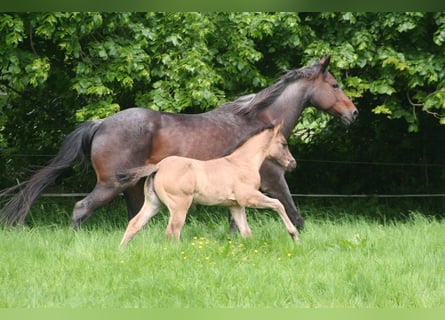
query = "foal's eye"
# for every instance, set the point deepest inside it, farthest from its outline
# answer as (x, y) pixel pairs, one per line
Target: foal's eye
(335, 86)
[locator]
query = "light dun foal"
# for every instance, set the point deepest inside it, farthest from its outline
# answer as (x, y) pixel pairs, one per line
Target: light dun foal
(231, 181)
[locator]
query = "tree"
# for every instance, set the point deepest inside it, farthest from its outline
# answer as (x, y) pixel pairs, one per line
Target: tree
(59, 69)
(395, 59)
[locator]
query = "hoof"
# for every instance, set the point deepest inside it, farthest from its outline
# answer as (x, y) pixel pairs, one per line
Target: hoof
(75, 225)
(233, 227)
(294, 236)
(300, 224)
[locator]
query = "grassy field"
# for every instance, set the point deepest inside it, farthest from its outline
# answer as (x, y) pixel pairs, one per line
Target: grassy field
(344, 260)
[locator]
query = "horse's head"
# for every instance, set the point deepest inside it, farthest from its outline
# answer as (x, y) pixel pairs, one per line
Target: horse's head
(328, 96)
(279, 150)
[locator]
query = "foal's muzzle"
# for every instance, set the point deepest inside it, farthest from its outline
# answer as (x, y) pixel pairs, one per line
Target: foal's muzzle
(292, 164)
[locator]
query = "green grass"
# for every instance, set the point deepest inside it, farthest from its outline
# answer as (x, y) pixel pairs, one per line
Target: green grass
(343, 261)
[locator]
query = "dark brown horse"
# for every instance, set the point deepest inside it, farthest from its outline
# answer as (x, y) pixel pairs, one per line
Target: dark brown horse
(135, 137)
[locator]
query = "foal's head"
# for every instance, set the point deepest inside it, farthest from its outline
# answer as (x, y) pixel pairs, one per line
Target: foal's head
(279, 151)
(328, 96)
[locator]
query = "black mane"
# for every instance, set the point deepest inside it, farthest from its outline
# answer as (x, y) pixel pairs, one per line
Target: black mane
(267, 96)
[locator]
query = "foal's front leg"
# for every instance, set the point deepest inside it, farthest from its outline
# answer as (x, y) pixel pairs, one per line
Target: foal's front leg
(274, 184)
(259, 200)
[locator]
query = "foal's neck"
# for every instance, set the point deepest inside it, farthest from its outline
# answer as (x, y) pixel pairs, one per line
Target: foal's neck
(253, 151)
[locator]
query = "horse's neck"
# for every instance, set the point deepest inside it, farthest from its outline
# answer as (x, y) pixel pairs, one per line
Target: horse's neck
(289, 105)
(253, 151)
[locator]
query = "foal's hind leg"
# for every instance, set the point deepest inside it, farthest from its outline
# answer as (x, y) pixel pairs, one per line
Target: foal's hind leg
(149, 209)
(239, 216)
(178, 208)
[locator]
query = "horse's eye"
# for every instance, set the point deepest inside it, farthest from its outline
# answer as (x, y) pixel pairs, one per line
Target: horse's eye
(335, 85)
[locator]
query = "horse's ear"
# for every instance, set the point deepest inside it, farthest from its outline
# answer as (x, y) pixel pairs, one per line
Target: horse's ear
(324, 62)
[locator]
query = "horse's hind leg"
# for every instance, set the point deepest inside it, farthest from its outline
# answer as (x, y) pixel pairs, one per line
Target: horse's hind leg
(239, 216)
(134, 197)
(84, 208)
(150, 208)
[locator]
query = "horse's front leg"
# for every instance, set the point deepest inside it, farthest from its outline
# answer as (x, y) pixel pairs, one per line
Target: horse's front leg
(274, 184)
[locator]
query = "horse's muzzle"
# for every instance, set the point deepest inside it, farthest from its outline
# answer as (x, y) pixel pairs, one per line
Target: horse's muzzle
(350, 117)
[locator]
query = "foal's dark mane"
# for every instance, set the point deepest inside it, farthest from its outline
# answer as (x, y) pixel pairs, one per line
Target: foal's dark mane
(253, 133)
(267, 96)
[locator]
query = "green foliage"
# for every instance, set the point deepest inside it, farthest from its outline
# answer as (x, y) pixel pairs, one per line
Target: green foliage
(173, 61)
(62, 68)
(396, 57)
(312, 123)
(99, 110)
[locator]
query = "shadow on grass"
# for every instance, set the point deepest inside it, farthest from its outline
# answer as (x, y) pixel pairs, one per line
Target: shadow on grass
(57, 212)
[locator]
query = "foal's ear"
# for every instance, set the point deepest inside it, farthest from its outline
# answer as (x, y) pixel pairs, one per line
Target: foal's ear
(277, 128)
(324, 62)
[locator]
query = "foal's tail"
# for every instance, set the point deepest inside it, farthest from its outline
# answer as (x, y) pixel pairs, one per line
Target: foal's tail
(132, 176)
(76, 146)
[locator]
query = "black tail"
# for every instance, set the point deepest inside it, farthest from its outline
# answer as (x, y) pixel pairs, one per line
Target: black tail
(75, 147)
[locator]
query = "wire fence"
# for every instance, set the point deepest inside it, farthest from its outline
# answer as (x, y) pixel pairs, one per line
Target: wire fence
(375, 163)
(344, 162)
(433, 195)
(294, 195)
(307, 195)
